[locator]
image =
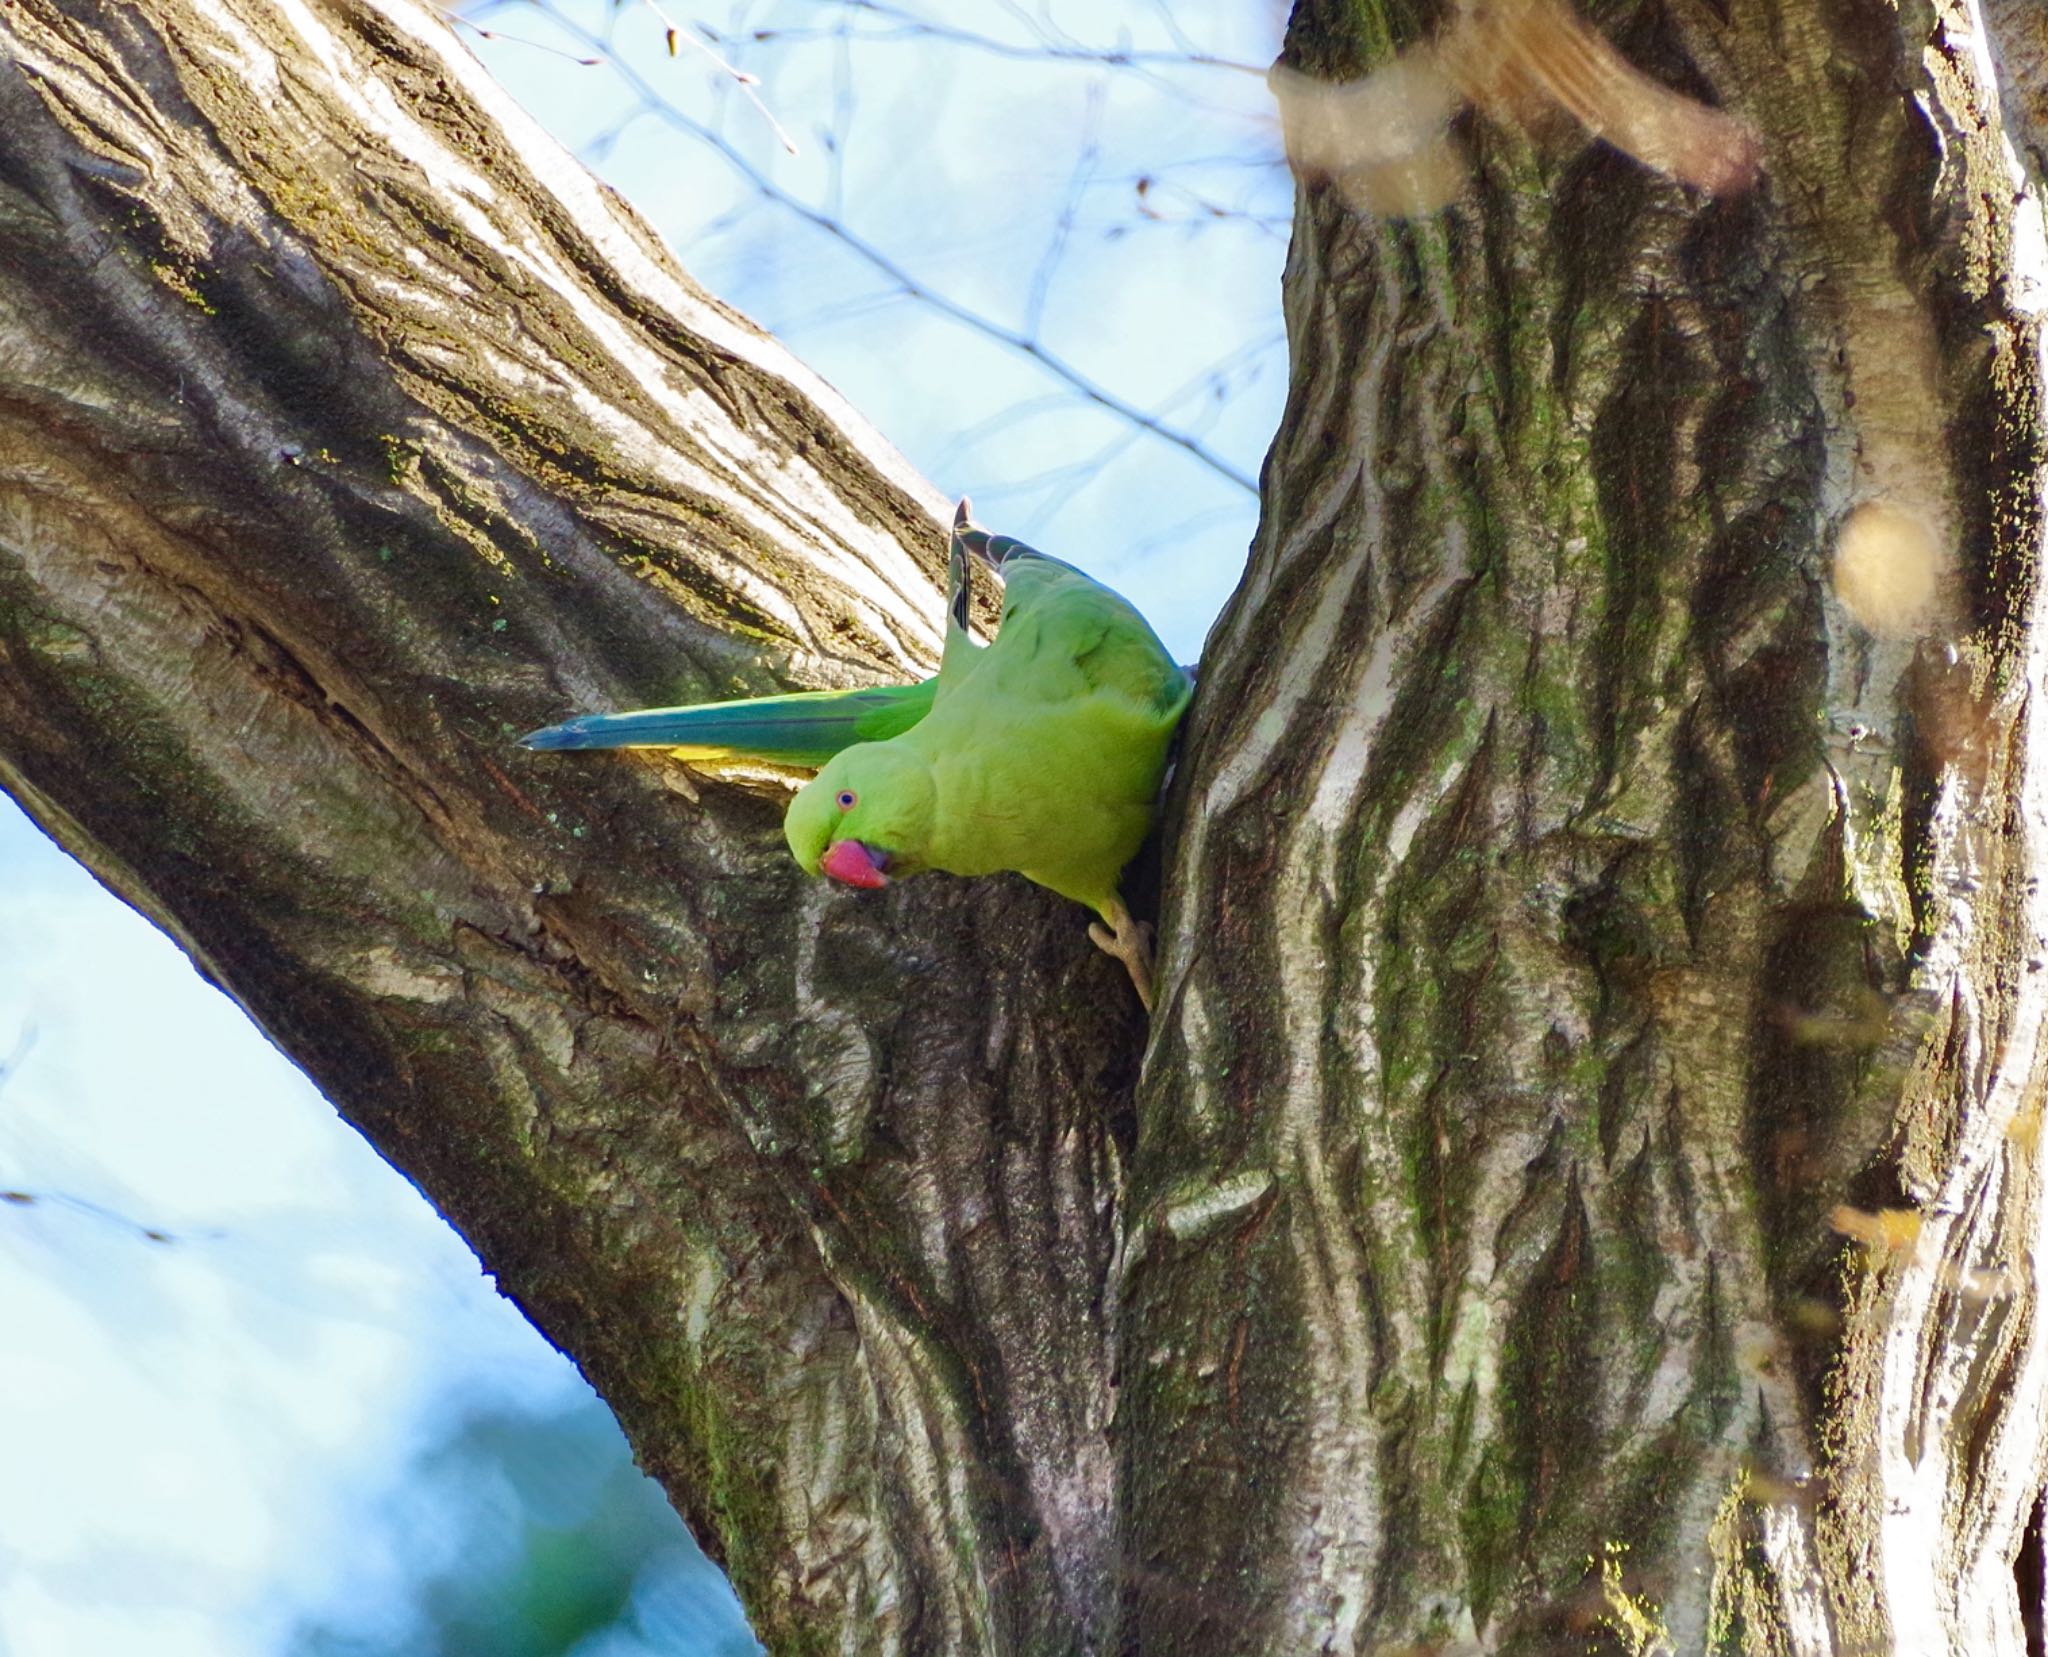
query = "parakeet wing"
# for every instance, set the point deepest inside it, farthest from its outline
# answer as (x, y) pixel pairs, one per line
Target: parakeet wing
(1065, 634)
(804, 730)
(1052, 611)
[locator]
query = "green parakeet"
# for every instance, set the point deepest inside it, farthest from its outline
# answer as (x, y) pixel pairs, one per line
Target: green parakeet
(1042, 752)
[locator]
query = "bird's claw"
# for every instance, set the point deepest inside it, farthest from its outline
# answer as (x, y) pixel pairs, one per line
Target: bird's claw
(1130, 943)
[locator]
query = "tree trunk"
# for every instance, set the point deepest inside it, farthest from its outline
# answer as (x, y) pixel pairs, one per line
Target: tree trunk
(1581, 1193)
(1620, 909)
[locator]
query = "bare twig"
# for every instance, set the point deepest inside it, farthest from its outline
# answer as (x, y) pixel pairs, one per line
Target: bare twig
(1022, 342)
(745, 80)
(913, 27)
(521, 40)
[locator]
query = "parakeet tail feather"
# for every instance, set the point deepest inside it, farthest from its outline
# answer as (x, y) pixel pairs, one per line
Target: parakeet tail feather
(801, 730)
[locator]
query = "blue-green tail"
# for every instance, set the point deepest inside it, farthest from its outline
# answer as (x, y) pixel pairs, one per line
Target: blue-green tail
(993, 550)
(805, 730)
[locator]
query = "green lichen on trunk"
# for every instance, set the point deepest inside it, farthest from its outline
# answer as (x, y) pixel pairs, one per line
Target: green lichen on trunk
(1573, 819)
(1569, 907)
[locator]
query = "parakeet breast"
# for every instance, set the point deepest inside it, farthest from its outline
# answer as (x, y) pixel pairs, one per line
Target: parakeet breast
(1065, 797)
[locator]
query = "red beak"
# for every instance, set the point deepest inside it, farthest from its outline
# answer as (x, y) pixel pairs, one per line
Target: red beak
(853, 864)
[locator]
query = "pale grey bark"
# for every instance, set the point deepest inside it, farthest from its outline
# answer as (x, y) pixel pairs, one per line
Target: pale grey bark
(1570, 905)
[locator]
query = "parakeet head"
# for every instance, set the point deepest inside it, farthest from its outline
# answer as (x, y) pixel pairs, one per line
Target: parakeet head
(866, 816)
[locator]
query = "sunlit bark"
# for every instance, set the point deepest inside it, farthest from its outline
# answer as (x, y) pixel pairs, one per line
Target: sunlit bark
(1630, 920)
(1582, 1190)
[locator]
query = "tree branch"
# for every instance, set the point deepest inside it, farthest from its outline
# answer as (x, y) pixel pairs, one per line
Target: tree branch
(349, 431)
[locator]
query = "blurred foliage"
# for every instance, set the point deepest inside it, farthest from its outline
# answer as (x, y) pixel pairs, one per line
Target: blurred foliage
(532, 1535)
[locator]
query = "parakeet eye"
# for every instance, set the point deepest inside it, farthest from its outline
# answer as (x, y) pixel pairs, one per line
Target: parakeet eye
(848, 799)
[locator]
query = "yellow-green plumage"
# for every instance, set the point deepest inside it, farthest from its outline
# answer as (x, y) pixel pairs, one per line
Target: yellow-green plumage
(1042, 752)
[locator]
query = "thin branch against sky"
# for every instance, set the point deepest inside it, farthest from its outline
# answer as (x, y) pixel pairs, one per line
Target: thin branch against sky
(1217, 378)
(1027, 338)
(1050, 44)
(1063, 227)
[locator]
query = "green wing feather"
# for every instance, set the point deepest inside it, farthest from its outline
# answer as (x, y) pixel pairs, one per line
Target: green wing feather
(1046, 748)
(805, 729)
(1054, 614)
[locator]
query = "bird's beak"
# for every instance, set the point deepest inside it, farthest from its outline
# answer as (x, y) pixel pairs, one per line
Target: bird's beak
(853, 864)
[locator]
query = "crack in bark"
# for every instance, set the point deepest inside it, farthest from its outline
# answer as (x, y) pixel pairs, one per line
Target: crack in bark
(1573, 913)
(1608, 1007)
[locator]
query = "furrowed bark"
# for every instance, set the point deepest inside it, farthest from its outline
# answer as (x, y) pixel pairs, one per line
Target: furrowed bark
(1583, 1192)
(1576, 921)
(348, 430)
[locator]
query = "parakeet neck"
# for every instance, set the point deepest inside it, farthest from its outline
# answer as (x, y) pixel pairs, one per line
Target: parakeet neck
(972, 832)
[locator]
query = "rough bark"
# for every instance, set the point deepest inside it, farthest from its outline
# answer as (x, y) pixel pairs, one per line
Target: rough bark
(1631, 909)
(1569, 906)
(347, 430)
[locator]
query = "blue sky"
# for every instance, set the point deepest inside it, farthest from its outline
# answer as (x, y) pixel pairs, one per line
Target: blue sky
(191, 1426)
(1130, 220)
(204, 1430)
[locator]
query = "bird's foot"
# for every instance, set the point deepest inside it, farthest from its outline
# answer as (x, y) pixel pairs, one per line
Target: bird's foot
(1130, 943)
